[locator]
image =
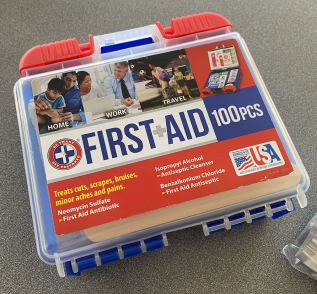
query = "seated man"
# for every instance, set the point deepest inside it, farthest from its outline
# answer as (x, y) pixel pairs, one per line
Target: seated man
(121, 85)
(72, 98)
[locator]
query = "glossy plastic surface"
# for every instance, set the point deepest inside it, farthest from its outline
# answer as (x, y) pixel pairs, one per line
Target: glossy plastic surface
(72, 249)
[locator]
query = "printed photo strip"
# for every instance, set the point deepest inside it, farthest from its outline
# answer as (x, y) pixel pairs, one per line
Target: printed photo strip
(111, 91)
(81, 97)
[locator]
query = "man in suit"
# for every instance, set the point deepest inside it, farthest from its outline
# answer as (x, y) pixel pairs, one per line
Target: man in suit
(121, 84)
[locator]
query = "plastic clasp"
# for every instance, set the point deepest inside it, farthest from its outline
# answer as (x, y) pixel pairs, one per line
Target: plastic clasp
(55, 52)
(191, 24)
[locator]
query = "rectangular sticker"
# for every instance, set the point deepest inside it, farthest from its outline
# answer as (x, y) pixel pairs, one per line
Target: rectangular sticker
(123, 191)
(256, 158)
(110, 144)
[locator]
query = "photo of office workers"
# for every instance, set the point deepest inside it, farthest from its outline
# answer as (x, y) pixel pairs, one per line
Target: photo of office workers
(117, 93)
(163, 79)
(80, 97)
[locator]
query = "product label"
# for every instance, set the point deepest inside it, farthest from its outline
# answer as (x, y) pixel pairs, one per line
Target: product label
(81, 150)
(117, 140)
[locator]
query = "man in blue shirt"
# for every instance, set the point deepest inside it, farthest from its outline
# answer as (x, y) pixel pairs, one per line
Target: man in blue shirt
(121, 85)
(72, 98)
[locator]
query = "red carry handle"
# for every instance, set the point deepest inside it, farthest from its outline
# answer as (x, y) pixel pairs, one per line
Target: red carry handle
(191, 24)
(55, 52)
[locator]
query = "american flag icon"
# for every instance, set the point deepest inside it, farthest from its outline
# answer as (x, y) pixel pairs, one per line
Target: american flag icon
(244, 162)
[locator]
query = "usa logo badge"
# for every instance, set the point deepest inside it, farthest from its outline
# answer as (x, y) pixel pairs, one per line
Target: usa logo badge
(64, 154)
(256, 158)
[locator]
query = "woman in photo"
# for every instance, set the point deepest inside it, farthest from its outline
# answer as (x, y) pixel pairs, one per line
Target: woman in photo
(87, 91)
(179, 78)
(156, 72)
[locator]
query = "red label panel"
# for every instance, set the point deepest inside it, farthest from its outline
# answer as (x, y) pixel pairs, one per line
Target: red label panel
(124, 191)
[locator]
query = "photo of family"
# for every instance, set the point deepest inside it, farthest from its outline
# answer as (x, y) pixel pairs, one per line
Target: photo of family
(58, 102)
(164, 79)
(75, 98)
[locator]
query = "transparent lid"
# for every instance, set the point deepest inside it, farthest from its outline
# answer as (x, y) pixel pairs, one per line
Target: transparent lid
(81, 242)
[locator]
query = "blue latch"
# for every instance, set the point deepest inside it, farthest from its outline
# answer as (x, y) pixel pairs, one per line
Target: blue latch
(109, 255)
(235, 217)
(154, 243)
(282, 212)
(256, 211)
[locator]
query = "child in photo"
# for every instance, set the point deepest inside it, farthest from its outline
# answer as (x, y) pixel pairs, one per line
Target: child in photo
(54, 98)
(179, 78)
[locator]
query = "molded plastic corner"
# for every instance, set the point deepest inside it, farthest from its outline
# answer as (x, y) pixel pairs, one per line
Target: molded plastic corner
(54, 52)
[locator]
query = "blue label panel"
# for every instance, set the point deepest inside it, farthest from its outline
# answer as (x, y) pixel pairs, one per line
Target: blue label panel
(237, 114)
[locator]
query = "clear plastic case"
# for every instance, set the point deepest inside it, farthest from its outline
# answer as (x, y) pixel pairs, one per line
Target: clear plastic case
(74, 251)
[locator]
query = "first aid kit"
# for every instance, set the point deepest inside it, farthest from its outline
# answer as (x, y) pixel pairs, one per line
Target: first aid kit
(139, 133)
(225, 74)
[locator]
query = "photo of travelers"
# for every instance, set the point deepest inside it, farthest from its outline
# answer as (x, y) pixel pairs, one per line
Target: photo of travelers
(164, 79)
